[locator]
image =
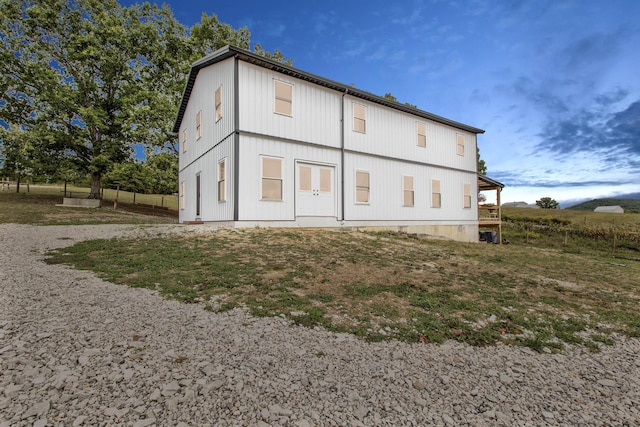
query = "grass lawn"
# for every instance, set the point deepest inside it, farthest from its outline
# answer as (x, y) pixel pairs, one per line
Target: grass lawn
(39, 207)
(386, 285)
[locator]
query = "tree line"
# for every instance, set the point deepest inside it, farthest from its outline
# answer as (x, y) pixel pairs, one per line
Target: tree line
(83, 82)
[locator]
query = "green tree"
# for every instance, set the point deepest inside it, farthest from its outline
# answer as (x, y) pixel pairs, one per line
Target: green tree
(547, 203)
(17, 152)
(91, 78)
(482, 166)
(390, 97)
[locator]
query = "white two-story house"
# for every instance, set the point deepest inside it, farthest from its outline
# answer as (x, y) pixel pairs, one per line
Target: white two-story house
(265, 144)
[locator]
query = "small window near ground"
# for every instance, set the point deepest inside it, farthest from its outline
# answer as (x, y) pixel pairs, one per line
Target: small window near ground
(460, 144)
(362, 187)
(359, 118)
(422, 134)
(182, 195)
(184, 140)
(284, 98)
(218, 103)
(199, 124)
(407, 191)
(436, 196)
(271, 188)
(467, 196)
(222, 180)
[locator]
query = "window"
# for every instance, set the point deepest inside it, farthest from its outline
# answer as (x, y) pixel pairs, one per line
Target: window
(221, 181)
(422, 134)
(184, 140)
(359, 118)
(436, 197)
(271, 178)
(199, 124)
(218, 103)
(467, 196)
(460, 144)
(362, 187)
(284, 96)
(407, 191)
(182, 195)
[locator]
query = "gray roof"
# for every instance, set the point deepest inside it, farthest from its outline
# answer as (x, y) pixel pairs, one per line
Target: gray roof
(608, 209)
(244, 55)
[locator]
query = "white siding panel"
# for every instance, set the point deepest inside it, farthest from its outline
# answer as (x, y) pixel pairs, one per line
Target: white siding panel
(206, 166)
(386, 191)
(392, 133)
(315, 114)
(203, 99)
(251, 208)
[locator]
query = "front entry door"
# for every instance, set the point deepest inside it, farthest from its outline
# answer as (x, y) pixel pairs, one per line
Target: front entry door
(315, 190)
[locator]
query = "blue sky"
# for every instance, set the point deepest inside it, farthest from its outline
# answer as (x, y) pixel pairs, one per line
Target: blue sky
(555, 84)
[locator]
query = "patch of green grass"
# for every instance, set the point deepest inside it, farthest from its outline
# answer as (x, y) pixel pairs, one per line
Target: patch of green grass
(384, 286)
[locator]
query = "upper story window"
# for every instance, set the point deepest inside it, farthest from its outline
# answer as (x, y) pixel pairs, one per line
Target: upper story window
(271, 182)
(363, 187)
(284, 98)
(218, 103)
(466, 198)
(184, 140)
(407, 191)
(422, 134)
(199, 124)
(436, 196)
(359, 118)
(460, 144)
(221, 180)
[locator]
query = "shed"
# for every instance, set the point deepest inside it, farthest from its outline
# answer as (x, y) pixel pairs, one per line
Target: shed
(609, 209)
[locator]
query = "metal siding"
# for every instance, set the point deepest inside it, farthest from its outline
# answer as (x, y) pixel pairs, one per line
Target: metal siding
(203, 99)
(315, 114)
(251, 208)
(392, 133)
(386, 191)
(212, 210)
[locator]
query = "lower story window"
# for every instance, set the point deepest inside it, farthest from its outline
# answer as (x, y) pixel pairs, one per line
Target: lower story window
(362, 187)
(271, 181)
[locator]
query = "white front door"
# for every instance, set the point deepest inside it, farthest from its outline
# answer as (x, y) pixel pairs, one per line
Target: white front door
(315, 190)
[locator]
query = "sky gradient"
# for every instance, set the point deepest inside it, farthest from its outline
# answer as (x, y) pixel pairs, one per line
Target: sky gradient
(555, 84)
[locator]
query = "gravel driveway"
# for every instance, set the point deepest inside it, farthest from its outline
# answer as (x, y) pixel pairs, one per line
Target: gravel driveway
(76, 350)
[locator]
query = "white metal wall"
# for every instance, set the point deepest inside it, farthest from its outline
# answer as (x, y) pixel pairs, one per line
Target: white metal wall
(203, 99)
(251, 208)
(393, 133)
(207, 167)
(315, 114)
(385, 196)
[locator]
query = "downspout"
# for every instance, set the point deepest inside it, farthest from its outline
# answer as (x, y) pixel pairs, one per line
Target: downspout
(236, 140)
(346, 90)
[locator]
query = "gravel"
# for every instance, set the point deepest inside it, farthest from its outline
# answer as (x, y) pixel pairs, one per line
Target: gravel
(77, 351)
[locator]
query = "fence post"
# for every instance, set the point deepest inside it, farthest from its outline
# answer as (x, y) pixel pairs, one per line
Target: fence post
(162, 202)
(134, 197)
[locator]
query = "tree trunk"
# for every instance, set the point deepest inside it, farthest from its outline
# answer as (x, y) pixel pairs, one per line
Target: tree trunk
(95, 185)
(17, 183)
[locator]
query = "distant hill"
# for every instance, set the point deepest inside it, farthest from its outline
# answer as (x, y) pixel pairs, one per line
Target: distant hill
(629, 205)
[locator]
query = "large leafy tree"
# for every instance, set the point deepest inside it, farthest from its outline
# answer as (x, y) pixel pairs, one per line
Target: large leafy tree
(548, 203)
(86, 79)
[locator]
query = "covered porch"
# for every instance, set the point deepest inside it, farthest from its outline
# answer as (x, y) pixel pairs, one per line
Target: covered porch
(489, 214)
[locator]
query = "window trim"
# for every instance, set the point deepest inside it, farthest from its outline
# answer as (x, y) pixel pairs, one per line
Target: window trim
(423, 134)
(355, 187)
(281, 178)
(218, 103)
(405, 189)
(198, 125)
(276, 98)
(222, 181)
(459, 145)
(363, 118)
(439, 193)
(466, 195)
